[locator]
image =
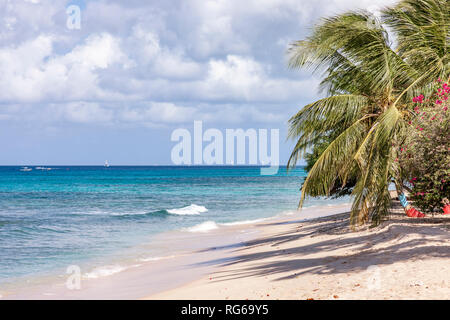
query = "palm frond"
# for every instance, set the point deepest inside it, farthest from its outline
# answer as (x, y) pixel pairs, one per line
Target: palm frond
(370, 84)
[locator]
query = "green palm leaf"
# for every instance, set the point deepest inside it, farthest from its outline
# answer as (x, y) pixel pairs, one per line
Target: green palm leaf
(370, 83)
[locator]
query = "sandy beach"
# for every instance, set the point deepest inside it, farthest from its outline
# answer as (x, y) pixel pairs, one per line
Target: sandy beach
(313, 254)
(403, 258)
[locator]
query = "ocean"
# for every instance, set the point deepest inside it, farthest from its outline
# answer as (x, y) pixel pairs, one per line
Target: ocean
(58, 216)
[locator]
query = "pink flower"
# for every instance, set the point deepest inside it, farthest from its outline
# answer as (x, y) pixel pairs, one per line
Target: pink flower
(419, 98)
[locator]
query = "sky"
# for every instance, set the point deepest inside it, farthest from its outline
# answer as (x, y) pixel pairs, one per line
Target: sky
(117, 87)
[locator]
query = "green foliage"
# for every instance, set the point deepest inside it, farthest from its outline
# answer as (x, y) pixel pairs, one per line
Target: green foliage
(339, 189)
(370, 85)
(425, 154)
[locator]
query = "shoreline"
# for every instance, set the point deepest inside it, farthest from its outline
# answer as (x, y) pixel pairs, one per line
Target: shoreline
(312, 254)
(183, 260)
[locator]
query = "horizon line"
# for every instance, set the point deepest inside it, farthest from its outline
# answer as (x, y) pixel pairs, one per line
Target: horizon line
(141, 165)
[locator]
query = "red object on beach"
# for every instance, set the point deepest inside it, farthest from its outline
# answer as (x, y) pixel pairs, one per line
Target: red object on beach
(447, 209)
(420, 214)
(412, 213)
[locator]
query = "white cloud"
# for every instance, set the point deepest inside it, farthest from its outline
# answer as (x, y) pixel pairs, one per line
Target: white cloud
(162, 113)
(32, 72)
(161, 61)
(234, 76)
(244, 79)
(157, 62)
(98, 52)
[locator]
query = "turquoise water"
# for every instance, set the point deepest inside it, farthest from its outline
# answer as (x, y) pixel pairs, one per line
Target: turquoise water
(50, 219)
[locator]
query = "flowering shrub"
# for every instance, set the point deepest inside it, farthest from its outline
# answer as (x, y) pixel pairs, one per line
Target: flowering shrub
(425, 155)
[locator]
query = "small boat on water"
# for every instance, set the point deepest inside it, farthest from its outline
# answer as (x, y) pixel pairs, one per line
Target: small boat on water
(106, 164)
(26, 169)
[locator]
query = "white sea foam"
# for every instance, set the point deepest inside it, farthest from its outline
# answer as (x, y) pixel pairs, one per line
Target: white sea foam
(97, 212)
(104, 271)
(237, 223)
(211, 225)
(193, 209)
(149, 259)
(288, 213)
(203, 227)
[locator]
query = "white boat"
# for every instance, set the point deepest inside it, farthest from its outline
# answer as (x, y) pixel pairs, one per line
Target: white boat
(26, 169)
(106, 164)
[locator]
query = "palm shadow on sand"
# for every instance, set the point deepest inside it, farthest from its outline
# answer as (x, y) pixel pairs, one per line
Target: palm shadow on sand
(431, 239)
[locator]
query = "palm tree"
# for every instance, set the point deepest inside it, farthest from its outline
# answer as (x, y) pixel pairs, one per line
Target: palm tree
(370, 76)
